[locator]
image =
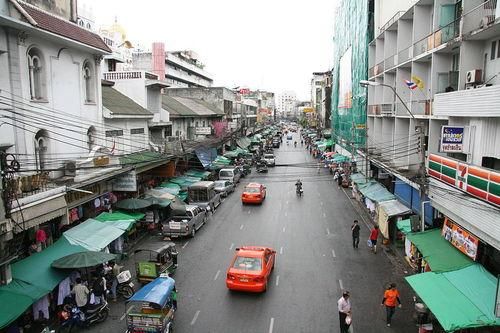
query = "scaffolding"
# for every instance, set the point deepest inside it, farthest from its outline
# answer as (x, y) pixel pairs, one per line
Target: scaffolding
(353, 32)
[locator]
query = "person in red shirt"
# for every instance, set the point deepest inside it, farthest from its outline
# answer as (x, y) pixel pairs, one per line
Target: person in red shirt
(391, 299)
(374, 237)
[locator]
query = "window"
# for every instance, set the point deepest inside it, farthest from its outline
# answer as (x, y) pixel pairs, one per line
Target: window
(91, 134)
(137, 131)
(248, 263)
(88, 26)
(490, 163)
(493, 50)
(114, 133)
(36, 74)
(168, 131)
(41, 147)
(88, 76)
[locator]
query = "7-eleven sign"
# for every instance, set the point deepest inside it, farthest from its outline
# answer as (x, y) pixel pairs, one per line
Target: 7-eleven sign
(462, 176)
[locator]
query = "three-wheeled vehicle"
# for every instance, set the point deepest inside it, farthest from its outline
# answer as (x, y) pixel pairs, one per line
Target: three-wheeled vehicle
(154, 259)
(152, 308)
(261, 166)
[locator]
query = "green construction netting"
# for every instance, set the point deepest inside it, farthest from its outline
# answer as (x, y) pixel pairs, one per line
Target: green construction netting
(404, 226)
(350, 55)
(459, 299)
(375, 192)
(438, 252)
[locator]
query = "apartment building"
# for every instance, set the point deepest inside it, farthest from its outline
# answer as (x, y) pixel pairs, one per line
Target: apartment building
(321, 93)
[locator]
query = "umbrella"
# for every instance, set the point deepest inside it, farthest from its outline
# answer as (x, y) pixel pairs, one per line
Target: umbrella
(83, 259)
(132, 204)
(330, 153)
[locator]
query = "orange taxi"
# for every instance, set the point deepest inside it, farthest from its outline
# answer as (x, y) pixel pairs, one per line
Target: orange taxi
(253, 193)
(250, 269)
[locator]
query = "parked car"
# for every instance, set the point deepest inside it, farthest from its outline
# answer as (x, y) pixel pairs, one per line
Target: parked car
(253, 193)
(276, 143)
(204, 195)
(184, 225)
(250, 269)
(269, 159)
(224, 187)
(231, 174)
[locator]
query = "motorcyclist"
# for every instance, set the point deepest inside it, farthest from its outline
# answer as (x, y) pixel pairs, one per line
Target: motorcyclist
(298, 185)
(295, 144)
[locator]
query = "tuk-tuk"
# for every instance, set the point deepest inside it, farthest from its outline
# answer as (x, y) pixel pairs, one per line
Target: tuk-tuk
(155, 259)
(153, 307)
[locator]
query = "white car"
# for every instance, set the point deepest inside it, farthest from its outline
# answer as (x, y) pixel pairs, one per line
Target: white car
(224, 187)
(269, 159)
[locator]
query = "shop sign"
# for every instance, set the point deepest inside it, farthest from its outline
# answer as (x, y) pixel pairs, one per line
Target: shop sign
(460, 238)
(126, 182)
(81, 197)
(101, 161)
(479, 182)
(307, 110)
(453, 139)
(203, 130)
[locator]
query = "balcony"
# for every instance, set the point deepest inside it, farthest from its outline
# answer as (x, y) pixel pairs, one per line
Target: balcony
(186, 65)
(129, 75)
(386, 110)
(405, 54)
(479, 102)
(479, 18)
(437, 38)
(391, 61)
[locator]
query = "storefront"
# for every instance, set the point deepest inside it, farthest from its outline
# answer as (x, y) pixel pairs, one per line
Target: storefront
(83, 205)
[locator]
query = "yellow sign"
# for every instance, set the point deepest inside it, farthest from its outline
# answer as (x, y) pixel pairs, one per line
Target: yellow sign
(308, 110)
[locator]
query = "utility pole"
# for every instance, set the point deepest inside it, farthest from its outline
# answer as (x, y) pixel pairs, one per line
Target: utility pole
(419, 128)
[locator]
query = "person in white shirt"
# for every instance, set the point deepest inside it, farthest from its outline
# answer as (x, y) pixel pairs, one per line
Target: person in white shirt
(344, 306)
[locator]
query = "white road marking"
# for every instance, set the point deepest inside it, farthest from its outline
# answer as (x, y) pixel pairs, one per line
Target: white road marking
(284, 228)
(341, 285)
(185, 244)
(277, 280)
(231, 247)
(217, 275)
(195, 317)
(271, 325)
(333, 253)
(126, 313)
(281, 250)
(327, 231)
(241, 228)
(287, 202)
(248, 212)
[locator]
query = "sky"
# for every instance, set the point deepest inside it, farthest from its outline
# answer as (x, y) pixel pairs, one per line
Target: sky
(272, 45)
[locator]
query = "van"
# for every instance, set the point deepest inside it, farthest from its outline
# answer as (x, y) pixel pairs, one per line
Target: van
(231, 174)
(204, 195)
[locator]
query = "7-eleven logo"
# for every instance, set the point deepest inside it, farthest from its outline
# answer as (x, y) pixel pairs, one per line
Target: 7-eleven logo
(462, 176)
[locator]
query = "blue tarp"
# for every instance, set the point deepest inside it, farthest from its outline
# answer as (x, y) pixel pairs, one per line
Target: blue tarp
(206, 155)
(157, 291)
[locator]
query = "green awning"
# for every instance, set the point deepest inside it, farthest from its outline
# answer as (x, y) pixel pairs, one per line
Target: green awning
(376, 192)
(404, 226)
(183, 195)
(119, 216)
(231, 154)
(143, 158)
(459, 299)
(197, 173)
(338, 158)
(93, 235)
(243, 142)
(161, 202)
(135, 215)
(358, 178)
(438, 252)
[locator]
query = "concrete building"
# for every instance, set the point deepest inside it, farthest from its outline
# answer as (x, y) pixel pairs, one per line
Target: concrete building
(115, 36)
(443, 59)
(321, 96)
(181, 69)
(286, 104)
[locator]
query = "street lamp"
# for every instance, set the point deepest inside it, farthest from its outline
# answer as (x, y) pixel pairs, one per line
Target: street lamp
(418, 128)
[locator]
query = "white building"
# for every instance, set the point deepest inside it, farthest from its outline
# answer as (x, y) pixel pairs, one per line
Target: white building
(321, 89)
(449, 53)
(286, 104)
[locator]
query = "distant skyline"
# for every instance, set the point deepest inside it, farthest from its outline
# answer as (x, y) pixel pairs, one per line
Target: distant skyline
(269, 45)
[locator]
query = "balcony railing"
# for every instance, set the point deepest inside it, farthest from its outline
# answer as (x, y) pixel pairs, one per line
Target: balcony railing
(25, 186)
(381, 109)
(479, 17)
(374, 110)
(391, 61)
(421, 107)
(129, 75)
(437, 38)
(405, 55)
(371, 72)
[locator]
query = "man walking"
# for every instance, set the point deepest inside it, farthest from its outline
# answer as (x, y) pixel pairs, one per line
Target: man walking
(355, 234)
(81, 293)
(344, 307)
(391, 297)
(374, 237)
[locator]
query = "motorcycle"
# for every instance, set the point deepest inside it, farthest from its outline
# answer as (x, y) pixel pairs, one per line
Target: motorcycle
(125, 287)
(74, 317)
(299, 191)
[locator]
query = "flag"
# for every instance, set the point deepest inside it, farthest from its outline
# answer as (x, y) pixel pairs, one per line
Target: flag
(418, 81)
(411, 85)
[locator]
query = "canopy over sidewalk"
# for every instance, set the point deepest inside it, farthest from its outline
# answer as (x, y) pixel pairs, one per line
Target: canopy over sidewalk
(438, 252)
(94, 235)
(404, 226)
(376, 192)
(459, 299)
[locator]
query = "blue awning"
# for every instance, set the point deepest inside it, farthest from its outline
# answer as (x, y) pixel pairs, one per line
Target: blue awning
(157, 292)
(206, 155)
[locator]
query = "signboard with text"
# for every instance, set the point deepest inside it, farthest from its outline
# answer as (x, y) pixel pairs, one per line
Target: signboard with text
(452, 139)
(203, 130)
(460, 238)
(126, 182)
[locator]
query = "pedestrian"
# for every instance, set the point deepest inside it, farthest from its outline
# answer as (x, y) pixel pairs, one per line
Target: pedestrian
(373, 238)
(344, 307)
(355, 234)
(116, 270)
(99, 288)
(339, 179)
(391, 299)
(81, 293)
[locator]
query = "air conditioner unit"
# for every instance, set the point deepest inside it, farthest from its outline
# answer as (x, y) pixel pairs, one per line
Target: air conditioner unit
(474, 76)
(70, 169)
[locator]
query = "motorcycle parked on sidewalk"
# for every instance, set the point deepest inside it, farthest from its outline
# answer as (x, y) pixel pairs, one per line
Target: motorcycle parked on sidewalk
(74, 317)
(125, 287)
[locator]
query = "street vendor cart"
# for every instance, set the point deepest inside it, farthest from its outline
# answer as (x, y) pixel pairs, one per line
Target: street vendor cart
(152, 308)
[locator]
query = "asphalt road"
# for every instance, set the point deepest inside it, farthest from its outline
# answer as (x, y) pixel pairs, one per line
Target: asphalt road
(315, 261)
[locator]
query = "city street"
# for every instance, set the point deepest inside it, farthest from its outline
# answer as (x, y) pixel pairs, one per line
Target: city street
(315, 261)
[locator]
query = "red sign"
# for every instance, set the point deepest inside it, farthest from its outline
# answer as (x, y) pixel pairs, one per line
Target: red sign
(244, 91)
(460, 238)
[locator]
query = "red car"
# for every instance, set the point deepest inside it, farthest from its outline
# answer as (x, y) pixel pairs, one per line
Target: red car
(253, 193)
(250, 269)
